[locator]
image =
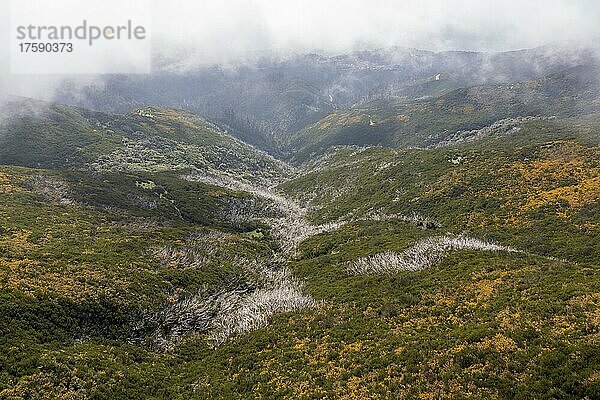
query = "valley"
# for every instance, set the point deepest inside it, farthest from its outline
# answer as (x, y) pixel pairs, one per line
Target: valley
(393, 240)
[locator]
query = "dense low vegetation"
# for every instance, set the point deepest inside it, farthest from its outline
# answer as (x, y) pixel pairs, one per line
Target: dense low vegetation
(154, 256)
(544, 178)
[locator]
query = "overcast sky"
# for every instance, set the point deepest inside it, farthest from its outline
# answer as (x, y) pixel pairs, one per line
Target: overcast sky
(230, 28)
(205, 32)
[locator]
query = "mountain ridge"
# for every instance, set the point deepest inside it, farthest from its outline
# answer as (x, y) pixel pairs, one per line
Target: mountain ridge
(263, 103)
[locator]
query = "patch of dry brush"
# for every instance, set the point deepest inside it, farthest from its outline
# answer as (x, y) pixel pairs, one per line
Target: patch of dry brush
(424, 254)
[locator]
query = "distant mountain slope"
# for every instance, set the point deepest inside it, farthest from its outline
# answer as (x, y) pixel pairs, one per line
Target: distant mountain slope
(39, 134)
(575, 91)
(42, 135)
(268, 99)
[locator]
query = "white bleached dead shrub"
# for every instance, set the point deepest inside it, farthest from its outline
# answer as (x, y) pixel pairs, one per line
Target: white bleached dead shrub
(248, 313)
(165, 328)
(424, 254)
(503, 127)
(289, 225)
(199, 249)
(244, 306)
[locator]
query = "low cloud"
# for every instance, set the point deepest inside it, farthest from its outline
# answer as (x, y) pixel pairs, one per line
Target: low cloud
(235, 29)
(189, 33)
